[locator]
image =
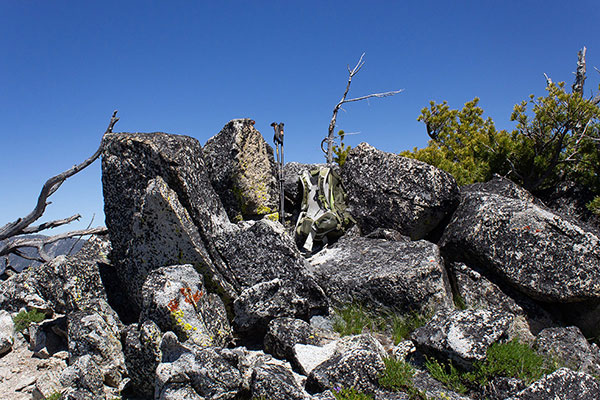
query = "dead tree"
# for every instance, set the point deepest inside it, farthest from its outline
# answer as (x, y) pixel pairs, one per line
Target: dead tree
(23, 226)
(351, 73)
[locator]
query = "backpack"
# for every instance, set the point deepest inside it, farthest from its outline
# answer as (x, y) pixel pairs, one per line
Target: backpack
(323, 216)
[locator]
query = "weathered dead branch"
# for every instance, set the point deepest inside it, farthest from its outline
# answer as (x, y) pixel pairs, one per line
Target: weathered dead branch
(351, 73)
(23, 226)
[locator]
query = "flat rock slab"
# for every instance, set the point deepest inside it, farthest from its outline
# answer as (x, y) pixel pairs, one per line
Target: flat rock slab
(381, 273)
(386, 190)
(462, 336)
(523, 243)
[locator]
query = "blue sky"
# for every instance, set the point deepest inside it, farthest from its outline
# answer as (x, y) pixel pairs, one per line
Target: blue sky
(188, 67)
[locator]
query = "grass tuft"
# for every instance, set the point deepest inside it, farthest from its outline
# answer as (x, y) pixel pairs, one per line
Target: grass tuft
(350, 394)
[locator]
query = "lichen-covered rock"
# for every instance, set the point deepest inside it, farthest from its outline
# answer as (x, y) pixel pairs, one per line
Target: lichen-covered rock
(141, 347)
(477, 291)
(7, 331)
(265, 301)
(462, 336)
(424, 382)
(241, 167)
(130, 161)
(202, 369)
(564, 384)
(283, 334)
(382, 273)
(91, 333)
(389, 191)
(164, 234)
(569, 347)
(308, 356)
(523, 242)
(83, 380)
(271, 381)
(176, 300)
(356, 362)
(61, 285)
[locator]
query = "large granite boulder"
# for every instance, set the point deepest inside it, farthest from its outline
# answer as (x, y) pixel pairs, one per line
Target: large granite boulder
(176, 300)
(199, 372)
(570, 348)
(94, 334)
(400, 275)
(141, 347)
(357, 362)
(61, 285)
(7, 332)
(386, 190)
(564, 384)
(270, 274)
(133, 196)
(83, 380)
(462, 336)
(242, 170)
(522, 242)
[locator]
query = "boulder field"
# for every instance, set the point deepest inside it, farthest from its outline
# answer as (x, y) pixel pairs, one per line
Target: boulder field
(199, 292)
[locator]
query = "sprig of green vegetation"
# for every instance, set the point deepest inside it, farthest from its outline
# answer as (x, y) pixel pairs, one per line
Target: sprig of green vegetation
(23, 319)
(350, 394)
(352, 319)
(512, 359)
(403, 326)
(55, 396)
(398, 377)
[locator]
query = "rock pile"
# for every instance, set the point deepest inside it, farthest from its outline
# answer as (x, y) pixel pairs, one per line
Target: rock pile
(199, 293)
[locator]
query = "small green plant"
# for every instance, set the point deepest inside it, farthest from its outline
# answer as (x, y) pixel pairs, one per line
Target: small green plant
(398, 377)
(350, 394)
(459, 301)
(55, 396)
(451, 377)
(341, 151)
(512, 359)
(516, 360)
(403, 326)
(23, 319)
(352, 319)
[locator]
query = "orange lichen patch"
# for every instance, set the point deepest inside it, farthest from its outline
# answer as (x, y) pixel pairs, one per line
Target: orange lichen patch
(173, 305)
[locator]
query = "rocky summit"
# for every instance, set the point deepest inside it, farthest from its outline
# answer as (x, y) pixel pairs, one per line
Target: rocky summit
(198, 292)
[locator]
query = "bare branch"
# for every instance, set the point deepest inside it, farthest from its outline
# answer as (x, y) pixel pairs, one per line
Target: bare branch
(15, 246)
(338, 106)
(384, 94)
(19, 226)
(51, 224)
(548, 80)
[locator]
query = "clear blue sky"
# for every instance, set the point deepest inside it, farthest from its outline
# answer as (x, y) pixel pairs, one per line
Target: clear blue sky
(188, 67)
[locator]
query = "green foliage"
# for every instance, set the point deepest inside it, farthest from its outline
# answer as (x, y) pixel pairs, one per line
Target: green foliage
(55, 396)
(459, 301)
(350, 394)
(341, 152)
(352, 319)
(557, 138)
(23, 319)
(463, 143)
(451, 377)
(512, 359)
(403, 326)
(398, 376)
(594, 205)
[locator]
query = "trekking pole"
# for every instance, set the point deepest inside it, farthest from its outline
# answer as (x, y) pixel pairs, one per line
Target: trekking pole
(278, 139)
